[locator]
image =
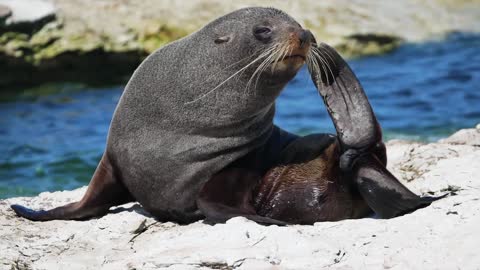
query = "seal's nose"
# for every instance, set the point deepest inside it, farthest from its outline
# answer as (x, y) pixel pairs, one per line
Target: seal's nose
(305, 37)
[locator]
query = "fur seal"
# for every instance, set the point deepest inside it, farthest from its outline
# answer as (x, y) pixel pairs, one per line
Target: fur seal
(192, 136)
(190, 109)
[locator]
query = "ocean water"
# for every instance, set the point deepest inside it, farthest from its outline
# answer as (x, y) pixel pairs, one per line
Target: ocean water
(52, 136)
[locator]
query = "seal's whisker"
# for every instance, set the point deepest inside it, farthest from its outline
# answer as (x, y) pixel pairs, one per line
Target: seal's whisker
(315, 59)
(289, 52)
(227, 67)
(279, 55)
(328, 64)
(233, 75)
(260, 69)
(272, 61)
(321, 63)
(264, 62)
(258, 72)
(221, 71)
(323, 49)
(311, 64)
(318, 64)
(319, 56)
(272, 52)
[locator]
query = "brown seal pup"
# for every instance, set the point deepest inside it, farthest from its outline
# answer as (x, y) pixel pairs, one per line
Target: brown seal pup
(190, 109)
(320, 177)
(327, 178)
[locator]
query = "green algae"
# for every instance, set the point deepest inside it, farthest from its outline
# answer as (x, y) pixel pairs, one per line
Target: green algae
(51, 50)
(368, 44)
(157, 34)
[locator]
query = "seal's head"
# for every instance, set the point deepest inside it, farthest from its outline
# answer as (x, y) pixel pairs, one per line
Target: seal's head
(269, 43)
(230, 71)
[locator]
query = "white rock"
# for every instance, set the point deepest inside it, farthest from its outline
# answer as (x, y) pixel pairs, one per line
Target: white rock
(465, 136)
(28, 11)
(444, 235)
(5, 12)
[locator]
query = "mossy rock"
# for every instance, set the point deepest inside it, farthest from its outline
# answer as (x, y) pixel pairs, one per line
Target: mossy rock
(368, 44)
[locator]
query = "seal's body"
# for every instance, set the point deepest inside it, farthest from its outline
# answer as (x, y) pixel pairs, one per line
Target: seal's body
(193, 134)
(192, 108)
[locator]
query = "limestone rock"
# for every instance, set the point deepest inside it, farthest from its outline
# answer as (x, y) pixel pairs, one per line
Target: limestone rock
(442, 236)
(119, 34)
(5, 12)
(27, 15)
(465, 136)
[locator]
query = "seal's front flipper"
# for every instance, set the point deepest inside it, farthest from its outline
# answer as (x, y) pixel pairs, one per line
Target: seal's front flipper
(346, 102)
(228, 194)
(384, 193)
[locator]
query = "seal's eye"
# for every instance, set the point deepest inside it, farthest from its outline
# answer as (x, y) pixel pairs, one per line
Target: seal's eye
(221, 40)
(262, 33)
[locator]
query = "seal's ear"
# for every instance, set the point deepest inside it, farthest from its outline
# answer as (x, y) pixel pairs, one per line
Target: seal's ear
(220, 40)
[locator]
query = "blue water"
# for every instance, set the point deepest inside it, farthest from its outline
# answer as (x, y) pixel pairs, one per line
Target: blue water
(52, 137)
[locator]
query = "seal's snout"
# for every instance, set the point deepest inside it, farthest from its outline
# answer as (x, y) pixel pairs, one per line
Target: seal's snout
(300, 41)
(305, 37)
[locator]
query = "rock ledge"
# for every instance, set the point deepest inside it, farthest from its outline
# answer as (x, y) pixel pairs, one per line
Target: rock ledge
(442, 236)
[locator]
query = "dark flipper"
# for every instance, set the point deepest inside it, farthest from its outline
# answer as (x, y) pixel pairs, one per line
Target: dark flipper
(346, 102)
(228, 194)
(363, 155)
(383, 192)
(103, 192)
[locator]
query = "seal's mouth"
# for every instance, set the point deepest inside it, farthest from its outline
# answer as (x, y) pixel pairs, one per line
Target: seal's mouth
(295, 57)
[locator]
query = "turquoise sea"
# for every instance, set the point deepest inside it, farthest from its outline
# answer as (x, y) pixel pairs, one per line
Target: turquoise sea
(52, 136)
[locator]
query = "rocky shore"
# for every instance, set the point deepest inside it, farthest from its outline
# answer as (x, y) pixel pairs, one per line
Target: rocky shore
(90, 40)
(442, 236)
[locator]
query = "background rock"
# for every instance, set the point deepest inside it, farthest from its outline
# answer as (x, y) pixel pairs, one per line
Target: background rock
(465, 136)
(27, 16)
(116, 35)
(442, 236)
(5, 12)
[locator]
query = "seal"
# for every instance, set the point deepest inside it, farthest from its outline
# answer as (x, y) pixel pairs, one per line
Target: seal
(190, 110)
(193, 135)
(326, 178)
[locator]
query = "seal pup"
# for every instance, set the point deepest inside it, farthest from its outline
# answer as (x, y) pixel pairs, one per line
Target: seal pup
(327, 178)
(190, 110)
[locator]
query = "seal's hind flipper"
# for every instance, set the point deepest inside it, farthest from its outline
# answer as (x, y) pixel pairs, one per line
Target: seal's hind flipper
(103, 192)
(384, 193)
(346, 102)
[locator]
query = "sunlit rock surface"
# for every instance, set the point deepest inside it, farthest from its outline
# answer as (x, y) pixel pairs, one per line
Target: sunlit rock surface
(442, 236)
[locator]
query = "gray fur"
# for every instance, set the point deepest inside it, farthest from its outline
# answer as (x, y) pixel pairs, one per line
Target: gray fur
(163, 145)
